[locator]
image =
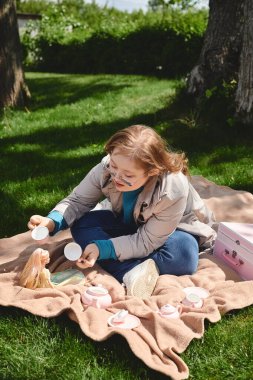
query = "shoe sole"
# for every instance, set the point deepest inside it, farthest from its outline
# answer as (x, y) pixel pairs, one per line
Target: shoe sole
(144, 285)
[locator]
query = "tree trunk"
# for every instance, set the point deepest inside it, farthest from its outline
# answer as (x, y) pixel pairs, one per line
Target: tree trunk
(13, 91)
(227, 53)
(244, 93)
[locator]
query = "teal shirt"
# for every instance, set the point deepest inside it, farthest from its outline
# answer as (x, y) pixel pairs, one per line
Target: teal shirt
(59, 221)
(106, 248)
(129, 200)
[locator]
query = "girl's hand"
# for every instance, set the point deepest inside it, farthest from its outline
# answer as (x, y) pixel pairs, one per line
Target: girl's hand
(89, 256)
(38, 220)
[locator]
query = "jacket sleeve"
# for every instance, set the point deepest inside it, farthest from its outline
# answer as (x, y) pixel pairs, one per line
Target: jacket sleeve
(165, 218)
(83, 198)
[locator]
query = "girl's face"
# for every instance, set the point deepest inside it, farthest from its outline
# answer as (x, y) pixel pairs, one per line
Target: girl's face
(125, 172)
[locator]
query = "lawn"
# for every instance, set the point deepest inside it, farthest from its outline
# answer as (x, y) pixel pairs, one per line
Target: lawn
(45, 151)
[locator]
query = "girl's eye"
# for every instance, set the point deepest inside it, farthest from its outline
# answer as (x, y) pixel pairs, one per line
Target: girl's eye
(128, 176)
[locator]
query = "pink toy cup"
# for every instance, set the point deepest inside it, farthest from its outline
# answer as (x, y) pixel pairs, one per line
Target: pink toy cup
(120, 316)
(193, 300)
(170, 311)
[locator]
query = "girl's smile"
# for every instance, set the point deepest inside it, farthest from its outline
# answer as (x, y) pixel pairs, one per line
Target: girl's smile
(117, 184)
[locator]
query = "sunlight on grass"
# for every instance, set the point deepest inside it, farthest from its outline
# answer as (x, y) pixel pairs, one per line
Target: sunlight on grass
(61, 349)
(226, 166)
(216, 354)
(79, 100)
(88, 151)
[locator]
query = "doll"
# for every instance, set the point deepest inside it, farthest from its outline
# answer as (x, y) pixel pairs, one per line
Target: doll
(35, 275)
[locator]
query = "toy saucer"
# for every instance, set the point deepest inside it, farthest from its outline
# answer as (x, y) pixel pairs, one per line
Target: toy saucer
(129, 322)
(200, 292)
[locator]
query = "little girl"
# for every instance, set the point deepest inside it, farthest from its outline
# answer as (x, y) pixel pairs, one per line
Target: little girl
(156, 221)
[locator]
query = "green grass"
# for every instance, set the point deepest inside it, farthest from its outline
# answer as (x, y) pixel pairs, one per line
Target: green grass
(48, 149)
(45, 151)
(225, 351)
(33, 348)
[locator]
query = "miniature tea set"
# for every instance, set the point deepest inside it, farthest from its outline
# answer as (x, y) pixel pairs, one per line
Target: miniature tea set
(194, 298)
(99, 297)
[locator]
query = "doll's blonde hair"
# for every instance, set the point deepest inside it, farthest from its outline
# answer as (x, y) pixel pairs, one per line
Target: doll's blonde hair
(34, 274)
(148, 149)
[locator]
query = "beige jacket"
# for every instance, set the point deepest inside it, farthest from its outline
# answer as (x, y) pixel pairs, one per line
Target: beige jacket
(167, 202)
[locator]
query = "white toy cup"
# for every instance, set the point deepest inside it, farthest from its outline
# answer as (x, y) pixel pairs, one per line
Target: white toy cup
(40, 234)
(72, 251)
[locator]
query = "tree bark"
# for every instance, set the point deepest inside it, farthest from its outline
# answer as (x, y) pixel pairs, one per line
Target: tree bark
(244, 93)
(227, 53)
(13, 91)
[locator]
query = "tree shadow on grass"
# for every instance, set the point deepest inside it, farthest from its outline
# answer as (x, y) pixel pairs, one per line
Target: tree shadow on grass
(210, 139)
(61, 90)
(41, 152)
(184, 132)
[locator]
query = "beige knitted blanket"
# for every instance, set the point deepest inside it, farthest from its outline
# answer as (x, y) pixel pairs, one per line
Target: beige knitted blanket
(158, 342)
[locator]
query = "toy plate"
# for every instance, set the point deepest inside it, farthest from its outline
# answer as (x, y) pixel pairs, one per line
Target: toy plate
(201, 292)
(130, 322)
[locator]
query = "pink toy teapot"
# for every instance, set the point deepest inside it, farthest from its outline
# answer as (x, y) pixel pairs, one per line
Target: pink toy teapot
(97, 296)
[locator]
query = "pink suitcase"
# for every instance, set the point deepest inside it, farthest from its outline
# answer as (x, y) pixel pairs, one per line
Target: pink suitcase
(234, 245)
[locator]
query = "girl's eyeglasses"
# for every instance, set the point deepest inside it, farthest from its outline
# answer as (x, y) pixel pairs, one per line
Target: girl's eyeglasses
(122, 179)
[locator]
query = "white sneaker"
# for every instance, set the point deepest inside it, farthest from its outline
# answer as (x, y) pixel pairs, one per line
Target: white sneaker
(141, 280)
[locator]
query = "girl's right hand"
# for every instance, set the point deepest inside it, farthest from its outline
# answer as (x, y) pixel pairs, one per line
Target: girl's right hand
(38, 220)
(89, 256)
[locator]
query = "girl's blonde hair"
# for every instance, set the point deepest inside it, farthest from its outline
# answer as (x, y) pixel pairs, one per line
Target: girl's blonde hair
(148, 148)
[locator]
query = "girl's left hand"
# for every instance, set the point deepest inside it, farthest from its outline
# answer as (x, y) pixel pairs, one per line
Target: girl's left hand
(89, 256)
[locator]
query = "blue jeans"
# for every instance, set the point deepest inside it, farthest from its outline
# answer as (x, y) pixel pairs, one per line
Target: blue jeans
(177, 256)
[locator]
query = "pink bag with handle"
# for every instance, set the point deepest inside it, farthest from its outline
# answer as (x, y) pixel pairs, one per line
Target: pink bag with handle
(234, 245)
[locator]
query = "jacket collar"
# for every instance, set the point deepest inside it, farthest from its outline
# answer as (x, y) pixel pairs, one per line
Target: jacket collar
(148, 191)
